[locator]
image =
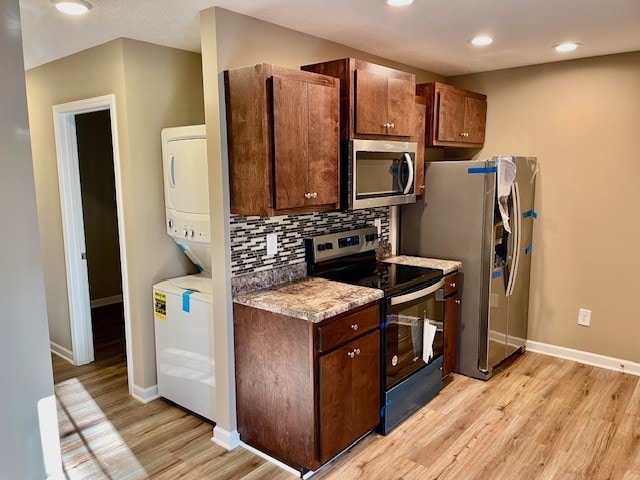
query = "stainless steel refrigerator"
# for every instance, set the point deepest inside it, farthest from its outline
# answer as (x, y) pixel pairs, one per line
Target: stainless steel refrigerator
(459, 219)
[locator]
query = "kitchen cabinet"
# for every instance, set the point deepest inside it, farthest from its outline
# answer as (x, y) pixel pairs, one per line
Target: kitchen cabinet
(315, 387)
(283, 138)
(419, 129)
(451, 314)
(455, 117)
(375, 101)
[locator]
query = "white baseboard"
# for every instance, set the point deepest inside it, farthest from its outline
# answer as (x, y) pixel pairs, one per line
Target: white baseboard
(62, 352)
(145, 395)
(226, 439)
(103, 302)
(276, 462)
(587, 358)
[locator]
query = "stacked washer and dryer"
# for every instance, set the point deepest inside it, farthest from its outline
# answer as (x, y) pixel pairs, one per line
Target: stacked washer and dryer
(183, 309)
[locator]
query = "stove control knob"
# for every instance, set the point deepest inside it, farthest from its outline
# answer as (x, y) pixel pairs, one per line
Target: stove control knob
(192, 233)
(185, 232)
(320, 247)
(328, 246)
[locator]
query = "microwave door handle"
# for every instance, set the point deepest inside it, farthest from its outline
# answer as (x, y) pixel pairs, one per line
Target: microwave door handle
(408, 297)
(409, 184)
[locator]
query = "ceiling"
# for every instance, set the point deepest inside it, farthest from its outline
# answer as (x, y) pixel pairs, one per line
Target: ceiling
(430, 34)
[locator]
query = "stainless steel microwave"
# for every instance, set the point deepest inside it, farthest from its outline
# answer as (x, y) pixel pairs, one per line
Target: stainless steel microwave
(379, 173)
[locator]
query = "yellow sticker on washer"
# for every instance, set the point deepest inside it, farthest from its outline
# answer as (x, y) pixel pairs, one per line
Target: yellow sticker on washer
(160, 305)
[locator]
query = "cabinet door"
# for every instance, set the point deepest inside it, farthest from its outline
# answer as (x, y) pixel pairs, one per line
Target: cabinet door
(450, 333)
(419, 138)
(451, 107)
(324, 143)
(366, 384)
(475, 119)
(401, 98)
(290, 142)
(370, 103)
(336, 419)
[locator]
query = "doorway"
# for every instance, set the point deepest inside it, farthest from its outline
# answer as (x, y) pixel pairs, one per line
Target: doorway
(93, 228)
(100, 221)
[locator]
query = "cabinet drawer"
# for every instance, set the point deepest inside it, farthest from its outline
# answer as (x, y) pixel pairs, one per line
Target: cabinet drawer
(450, 284)
(348, 327)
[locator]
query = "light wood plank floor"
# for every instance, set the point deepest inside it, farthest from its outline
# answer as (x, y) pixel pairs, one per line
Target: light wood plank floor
(541, 418)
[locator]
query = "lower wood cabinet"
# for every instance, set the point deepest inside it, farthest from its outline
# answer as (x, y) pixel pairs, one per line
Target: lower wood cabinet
(305, 391)
(451, 314)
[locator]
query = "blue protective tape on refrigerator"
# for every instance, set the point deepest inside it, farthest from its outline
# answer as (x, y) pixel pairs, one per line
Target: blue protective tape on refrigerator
(528, 249)
(186, 301)
(530, 213)
(482, 170)
(496, 274)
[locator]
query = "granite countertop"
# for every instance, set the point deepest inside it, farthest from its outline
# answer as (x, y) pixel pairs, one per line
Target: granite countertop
(447, 266)
(311, 298)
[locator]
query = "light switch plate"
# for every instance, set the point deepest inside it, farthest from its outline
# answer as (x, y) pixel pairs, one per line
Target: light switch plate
(272, 243)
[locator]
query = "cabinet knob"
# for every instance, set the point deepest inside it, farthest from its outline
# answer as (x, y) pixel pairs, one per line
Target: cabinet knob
(458, 301)
(307, 195)
(314, 195)
(385, 125)
(354, 326)
(357, 350)
(452, 284)
(392, 125)
(422, 187)
(351, 354)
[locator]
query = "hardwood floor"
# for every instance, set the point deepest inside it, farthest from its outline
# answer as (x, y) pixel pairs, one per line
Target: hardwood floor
(541, 418)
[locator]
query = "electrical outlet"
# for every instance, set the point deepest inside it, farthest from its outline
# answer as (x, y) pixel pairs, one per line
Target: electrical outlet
(272, 243)
(378, 223)
(584, 317)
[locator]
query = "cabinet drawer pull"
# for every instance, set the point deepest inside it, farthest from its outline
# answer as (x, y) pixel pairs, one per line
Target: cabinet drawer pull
(458, 301)
(357, 350)
(351, 354)
(452, 284)
(354, 326)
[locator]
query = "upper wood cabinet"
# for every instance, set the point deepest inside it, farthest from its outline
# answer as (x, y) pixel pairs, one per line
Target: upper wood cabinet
(375, 101)
(419, 129)
(282, 128)
(455, 117)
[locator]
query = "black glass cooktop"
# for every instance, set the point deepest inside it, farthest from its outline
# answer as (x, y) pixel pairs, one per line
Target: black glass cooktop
(390, 277)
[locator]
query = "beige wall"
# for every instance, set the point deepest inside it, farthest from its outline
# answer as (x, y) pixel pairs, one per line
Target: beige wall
(155, 87)
(231, 40)
(580, 119)
(26, 394)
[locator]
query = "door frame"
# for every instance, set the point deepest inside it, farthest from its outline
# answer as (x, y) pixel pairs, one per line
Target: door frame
(73, 227)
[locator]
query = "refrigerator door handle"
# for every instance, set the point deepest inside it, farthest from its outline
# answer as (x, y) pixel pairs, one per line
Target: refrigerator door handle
(517, 220)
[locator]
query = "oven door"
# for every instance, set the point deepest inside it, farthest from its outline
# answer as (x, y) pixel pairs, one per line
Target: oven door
(413, 333)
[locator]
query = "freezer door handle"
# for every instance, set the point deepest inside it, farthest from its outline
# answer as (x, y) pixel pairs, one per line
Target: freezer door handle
(517, 220)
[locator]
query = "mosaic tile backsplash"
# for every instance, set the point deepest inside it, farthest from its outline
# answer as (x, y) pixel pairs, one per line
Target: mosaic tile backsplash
(249, 235)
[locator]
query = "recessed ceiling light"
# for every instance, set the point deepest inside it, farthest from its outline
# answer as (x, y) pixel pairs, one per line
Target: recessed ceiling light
(72, 7)
(481, 41)
(399, 3)
(566, 47)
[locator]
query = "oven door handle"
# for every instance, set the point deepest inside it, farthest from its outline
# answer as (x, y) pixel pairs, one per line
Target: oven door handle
(397, 300)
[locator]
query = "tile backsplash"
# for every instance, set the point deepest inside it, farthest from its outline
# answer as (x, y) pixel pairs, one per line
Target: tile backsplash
(249, 235)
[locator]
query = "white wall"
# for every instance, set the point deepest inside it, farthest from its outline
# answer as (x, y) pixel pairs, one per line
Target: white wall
(25, 371)
(581, 119)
